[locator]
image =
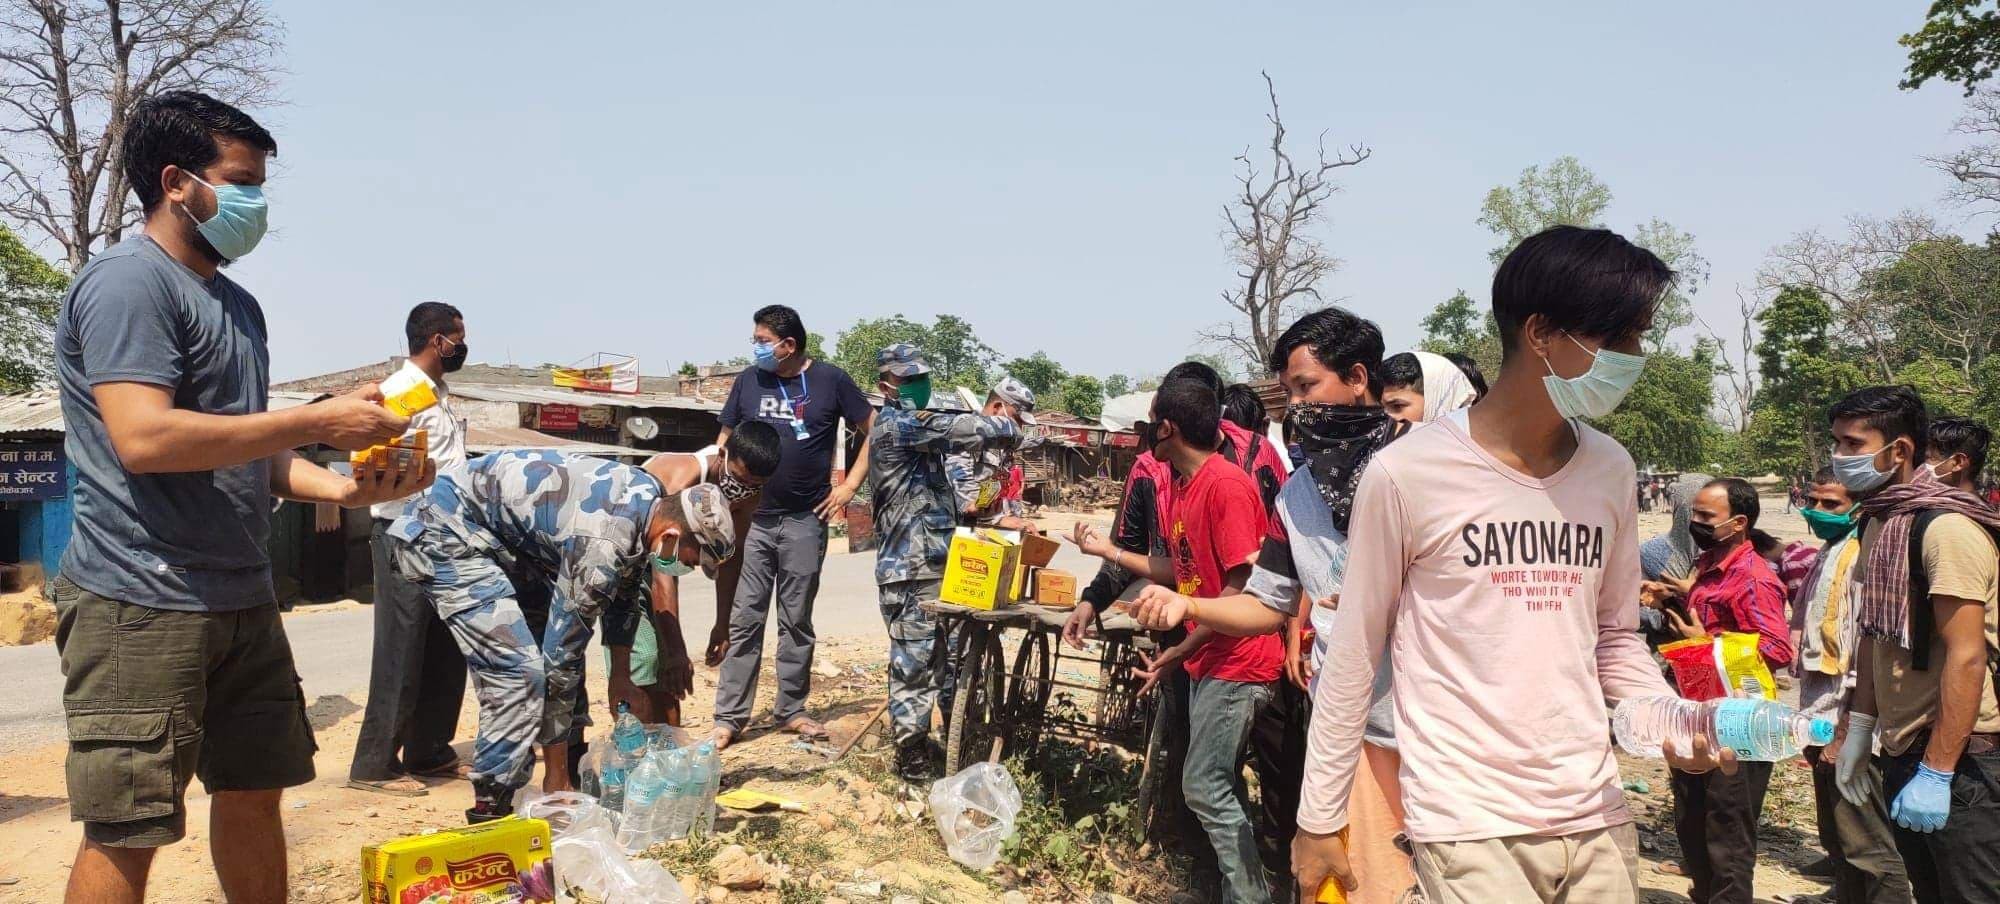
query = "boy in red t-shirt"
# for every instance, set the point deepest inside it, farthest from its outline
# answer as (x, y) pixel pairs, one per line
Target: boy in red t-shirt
(1214, 524)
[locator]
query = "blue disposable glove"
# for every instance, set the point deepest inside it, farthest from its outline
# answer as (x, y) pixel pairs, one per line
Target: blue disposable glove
(1925, 801)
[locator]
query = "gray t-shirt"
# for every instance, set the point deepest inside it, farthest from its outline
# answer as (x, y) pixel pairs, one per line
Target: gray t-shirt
(1310, 557)
(195, 541)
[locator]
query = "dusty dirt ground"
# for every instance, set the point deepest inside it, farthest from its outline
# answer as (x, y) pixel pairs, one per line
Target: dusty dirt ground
(864, 837)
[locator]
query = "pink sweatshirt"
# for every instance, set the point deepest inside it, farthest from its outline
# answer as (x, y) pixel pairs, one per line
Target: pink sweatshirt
(1509, 606)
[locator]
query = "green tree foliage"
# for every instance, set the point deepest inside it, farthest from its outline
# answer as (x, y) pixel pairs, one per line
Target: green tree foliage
(30, 293)
(1038, 372)
(1081, 395)
(1223, 365)
(688, 369)
(1942, 296)
(1566, 193)
(1959, 43)
(1945, 389)
(1459, 325)
(1803, 370)
(1117, 385)
(956, 356)
(1664, 422)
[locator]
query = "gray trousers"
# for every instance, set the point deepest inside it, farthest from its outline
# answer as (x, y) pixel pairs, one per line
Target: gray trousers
(781, 558)
(1219, 721)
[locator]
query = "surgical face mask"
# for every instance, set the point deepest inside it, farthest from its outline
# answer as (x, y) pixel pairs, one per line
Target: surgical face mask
(1827, 525)
(1703, 535)
(1944, 476)
(764, 355)
(452, 362)
(239, 221)
(670, 566)
(916, 393)
(1600, 389)
(1858, 473)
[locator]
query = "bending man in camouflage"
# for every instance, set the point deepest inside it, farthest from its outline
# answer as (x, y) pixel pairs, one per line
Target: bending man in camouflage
(586, 528)
(915, 511)
(988, 495)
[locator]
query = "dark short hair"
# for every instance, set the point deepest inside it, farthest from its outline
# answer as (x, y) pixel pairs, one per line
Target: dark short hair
(1338, 340)
(1958, 435)
(1742, 497)
(432, 318)
(1193, 409)
(1896, 412)
(179, 128)
(1195, 370)
(1762, 542)
(755, 444)
(1824, 476)
(1402, 370)
(1243, 407)
(1470, 369)
(1587, 282)
(783, 322)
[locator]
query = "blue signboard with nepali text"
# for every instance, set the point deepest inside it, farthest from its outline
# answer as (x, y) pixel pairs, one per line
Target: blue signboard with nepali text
(31, 471)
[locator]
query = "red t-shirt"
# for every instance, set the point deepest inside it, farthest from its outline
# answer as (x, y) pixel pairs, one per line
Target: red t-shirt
(1215, 523)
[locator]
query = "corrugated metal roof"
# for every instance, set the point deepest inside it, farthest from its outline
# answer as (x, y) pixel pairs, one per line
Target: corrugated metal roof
(532, 395)
(481, 440)
(35, 412)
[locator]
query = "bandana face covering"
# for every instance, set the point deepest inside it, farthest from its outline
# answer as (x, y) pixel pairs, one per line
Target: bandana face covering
(1336, 442)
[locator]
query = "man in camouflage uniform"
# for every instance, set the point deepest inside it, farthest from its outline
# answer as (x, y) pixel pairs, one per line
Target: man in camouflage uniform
(980, 478)
(915, 511)
(582, 527)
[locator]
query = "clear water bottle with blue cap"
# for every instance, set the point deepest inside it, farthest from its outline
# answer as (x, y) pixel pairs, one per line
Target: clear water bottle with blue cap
(1759, 730)
(628, 734)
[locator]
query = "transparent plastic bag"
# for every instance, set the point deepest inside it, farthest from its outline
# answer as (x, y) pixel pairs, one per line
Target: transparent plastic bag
(589, 860)
(975, 811)
(568, 811)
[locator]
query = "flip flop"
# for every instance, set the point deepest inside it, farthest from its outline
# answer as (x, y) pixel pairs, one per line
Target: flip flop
(382, 787)
(806, 728)
(456, 769)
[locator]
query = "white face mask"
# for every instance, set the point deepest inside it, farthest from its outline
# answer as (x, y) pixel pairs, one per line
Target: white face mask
(1599, 390)
(1858, 472)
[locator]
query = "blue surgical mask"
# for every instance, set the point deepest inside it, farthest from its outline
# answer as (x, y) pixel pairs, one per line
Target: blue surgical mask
(1857, 472)
(1597, 393)
(764, 355)
(239, 221)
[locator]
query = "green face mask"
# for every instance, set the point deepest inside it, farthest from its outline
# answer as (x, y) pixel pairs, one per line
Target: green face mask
(916, 392)
(1827, 525)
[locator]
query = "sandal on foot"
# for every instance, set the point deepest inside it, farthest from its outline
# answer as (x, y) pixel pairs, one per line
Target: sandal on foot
(456, 769)
(394, 787)
(808, 730)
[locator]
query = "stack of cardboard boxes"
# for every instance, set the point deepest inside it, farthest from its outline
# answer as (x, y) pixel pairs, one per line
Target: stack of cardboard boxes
(991, 569)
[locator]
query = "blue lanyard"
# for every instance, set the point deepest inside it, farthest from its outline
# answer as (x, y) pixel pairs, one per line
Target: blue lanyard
(788, 396)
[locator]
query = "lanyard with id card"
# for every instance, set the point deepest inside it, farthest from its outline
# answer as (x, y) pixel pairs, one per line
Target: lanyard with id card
(797, 407)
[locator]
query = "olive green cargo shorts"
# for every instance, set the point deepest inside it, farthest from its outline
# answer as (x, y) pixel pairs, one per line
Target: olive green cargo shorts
(155, 696)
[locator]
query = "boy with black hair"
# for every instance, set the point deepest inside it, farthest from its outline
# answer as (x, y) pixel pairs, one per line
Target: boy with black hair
(1927, 595)
(174, 657)
(1956, 450)
(1507, 652)
(416, 681)
(1420, 387)
(1213, 523)
(1715, 814)
(807, 401)
(1470, 369)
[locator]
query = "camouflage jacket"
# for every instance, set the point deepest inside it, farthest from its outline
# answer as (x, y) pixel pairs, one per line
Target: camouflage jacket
(577, 523)
(916, 505)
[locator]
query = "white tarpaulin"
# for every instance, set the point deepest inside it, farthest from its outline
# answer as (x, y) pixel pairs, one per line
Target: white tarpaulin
(1119, 413)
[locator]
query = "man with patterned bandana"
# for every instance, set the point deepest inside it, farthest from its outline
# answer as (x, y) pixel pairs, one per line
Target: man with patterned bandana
(915, 511)
(587, 528)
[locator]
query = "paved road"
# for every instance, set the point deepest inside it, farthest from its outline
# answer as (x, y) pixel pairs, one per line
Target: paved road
(332, 645)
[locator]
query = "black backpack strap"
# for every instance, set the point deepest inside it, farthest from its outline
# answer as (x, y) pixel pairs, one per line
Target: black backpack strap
(1923, 618)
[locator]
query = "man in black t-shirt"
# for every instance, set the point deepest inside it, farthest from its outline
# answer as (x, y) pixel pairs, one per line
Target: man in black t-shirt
(785, 544)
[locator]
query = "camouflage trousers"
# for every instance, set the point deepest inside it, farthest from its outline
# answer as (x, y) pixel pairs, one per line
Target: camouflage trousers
(919, 681)
(528, 691)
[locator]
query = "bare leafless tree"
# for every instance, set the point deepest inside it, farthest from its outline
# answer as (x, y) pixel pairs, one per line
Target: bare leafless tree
(1268, 223)
(1839, 269)
(1975, 169)
(1738, 360)
(70, 74)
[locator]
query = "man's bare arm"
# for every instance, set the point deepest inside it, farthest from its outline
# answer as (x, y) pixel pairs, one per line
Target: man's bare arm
(299, 480)
(151, 436)
(1961, 679)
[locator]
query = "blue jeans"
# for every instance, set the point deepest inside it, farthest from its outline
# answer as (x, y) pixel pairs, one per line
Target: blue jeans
(1220, 718)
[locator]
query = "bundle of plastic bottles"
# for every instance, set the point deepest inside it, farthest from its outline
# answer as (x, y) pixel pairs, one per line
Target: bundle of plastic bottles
(663, 788)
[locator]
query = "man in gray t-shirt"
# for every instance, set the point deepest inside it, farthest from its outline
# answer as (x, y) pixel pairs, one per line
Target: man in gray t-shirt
(175, 662)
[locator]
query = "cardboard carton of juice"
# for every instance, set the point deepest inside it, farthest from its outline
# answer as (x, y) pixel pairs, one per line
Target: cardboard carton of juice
(406, 392)
(504, 862)
(979, 568)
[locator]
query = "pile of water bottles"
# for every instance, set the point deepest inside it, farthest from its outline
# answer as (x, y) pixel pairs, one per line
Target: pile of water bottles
(663, 788)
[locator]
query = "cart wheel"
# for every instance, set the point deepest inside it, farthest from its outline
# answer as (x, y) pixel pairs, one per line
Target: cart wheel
(1023, 716)
(975, 714)
(1153, 776)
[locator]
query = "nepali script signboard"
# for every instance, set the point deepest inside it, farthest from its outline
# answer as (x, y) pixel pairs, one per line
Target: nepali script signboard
(606, 373)
(31, 471)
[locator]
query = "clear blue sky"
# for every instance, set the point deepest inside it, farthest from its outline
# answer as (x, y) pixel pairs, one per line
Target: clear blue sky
(637, 178)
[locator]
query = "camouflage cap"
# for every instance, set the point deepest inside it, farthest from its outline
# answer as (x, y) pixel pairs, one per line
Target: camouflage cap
(903, 360)
(1014, 393)
(706, 510)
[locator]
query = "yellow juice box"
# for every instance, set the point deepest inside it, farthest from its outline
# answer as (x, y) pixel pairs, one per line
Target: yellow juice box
(504, 862)
(408, 391)
(979, 569)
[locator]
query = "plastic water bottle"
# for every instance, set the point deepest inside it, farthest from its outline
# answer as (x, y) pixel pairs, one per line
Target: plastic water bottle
(1759, 730)
(646, 794)
(612, 770)
(704, 780)
(628, 734)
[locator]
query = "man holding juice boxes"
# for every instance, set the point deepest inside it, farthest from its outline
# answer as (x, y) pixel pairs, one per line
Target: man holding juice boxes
(174, 658)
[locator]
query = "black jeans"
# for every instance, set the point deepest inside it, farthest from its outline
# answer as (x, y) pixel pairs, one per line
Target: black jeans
(1960, 862)
(416, 680)
(1866, 866)
(1278, 754)
(1715, 817)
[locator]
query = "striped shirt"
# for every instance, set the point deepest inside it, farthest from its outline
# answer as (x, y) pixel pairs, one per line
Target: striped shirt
(1739, 592)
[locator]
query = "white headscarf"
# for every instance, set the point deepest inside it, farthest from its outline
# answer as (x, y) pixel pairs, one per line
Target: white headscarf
(1445, 387)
